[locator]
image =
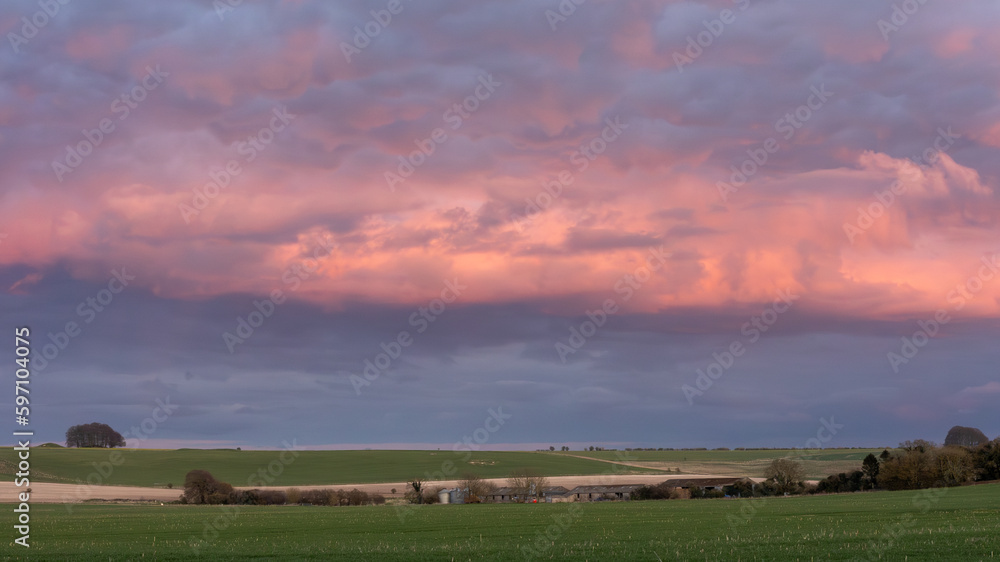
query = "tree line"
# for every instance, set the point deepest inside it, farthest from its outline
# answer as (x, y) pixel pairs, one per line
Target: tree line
(200, 487)
(914, 465)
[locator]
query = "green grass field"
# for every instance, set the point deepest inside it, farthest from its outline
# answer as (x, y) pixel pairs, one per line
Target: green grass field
(149, 467)
(947, 524)
(145, 467)
(817, 464)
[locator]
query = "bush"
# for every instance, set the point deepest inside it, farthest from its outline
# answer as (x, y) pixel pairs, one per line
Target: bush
(987, 460)
(742, 489)
(294, 495)
(431, 496)
(271, 497)
(200, 487)
(843, 482)
(357, 497)
(317, 497)
(412, 496)
(655, 492)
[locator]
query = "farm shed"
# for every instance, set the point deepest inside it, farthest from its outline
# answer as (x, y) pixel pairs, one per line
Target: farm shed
(591, 493)
(704, 483)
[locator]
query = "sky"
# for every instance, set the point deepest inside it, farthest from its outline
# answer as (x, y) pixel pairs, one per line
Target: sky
(613, 223)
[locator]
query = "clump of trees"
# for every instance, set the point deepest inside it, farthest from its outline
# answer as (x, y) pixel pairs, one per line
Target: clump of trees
(965, 437)
(922, 464)
(93, 435)
(928, 466)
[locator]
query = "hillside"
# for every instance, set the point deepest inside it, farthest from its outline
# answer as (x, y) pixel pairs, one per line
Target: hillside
(154, 467)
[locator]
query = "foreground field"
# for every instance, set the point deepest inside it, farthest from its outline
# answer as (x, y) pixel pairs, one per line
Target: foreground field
(151, 467)
(947, 524)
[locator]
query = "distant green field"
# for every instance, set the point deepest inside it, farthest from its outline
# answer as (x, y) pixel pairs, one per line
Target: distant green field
(727, 456)
(817, 464)
(948, 524)
(147, 467)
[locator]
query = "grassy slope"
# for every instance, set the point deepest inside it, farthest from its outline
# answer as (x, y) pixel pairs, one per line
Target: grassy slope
(960, 524)
(816, 464)
(726, 456)
(149, 467)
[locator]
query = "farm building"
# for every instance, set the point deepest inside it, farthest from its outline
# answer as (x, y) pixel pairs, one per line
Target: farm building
(591, 493)
(554, 493)
(507, 494)
(502, 495)
(452, 495)
(704, 483)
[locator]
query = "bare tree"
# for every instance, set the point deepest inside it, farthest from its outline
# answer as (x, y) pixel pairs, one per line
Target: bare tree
(201, 487)
(785, 473)
(415, 494)
(526, 484)
(477, 489)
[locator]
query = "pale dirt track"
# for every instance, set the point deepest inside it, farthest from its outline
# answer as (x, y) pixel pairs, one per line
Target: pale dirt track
(43, 492)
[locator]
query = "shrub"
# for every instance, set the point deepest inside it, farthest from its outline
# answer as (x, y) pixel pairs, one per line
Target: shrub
(431, 496)
(412, 496)
(200, 487)
(272, 497)
(357, 497)
(316, 497)
(294, 495)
